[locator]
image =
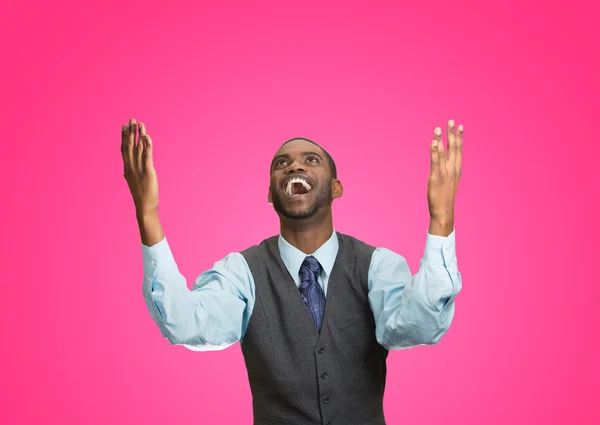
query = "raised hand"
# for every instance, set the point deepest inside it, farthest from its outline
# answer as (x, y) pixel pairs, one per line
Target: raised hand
(443, 179)
(139, 169)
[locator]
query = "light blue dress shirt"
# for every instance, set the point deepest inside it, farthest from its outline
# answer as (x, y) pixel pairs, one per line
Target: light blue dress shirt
(408, 310)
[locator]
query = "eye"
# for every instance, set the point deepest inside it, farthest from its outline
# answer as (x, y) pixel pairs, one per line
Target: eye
(280, 162)
(313, 159)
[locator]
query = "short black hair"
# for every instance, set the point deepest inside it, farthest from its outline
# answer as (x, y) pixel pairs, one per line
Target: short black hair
(330, 160)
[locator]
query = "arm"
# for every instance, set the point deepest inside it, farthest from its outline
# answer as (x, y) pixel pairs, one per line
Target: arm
(418, 310)
(414, 310)
(213, 315)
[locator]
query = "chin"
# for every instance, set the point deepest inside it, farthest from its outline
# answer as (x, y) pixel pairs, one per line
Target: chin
(299, 208)
(297, 213)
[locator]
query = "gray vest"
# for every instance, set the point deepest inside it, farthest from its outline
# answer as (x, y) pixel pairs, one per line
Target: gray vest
(298, 376)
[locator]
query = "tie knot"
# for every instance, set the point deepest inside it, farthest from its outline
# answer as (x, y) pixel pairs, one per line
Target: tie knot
(312, 264)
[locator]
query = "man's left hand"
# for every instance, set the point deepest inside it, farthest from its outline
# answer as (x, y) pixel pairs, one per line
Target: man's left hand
(443, 179)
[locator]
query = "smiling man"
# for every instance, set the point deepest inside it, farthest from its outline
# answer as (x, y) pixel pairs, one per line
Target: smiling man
(316, 311)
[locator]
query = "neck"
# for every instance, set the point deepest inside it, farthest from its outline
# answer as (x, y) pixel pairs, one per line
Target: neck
(307, 234)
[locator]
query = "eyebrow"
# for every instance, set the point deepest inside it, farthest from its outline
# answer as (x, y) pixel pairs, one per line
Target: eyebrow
(285, 155)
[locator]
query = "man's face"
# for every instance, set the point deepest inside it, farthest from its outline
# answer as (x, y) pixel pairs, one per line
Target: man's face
(301, 181)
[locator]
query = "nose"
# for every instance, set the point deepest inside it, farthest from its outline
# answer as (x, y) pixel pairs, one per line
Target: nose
(295, 167)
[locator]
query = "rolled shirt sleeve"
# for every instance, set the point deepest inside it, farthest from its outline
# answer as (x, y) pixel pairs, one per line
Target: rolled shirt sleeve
(213, 315)
(414, 310)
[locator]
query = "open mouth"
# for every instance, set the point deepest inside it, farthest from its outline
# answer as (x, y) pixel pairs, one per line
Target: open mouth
(297, 186)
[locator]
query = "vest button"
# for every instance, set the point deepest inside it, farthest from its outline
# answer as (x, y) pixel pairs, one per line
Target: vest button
(324, 375)
(321, 350)
(325, 400)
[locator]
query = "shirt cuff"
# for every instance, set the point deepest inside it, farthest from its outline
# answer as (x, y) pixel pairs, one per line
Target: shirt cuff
(440, 250)
(157, 256)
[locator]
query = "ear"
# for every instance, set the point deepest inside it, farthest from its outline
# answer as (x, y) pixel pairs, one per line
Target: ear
(269, 197)
(337, 189)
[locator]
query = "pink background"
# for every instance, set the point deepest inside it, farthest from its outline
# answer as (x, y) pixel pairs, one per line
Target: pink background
(220, 85)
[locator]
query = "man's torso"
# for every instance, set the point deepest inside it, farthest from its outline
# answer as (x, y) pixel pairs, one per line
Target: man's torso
(298, 375)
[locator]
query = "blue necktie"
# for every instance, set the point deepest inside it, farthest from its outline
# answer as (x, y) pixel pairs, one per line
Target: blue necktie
(311, 291)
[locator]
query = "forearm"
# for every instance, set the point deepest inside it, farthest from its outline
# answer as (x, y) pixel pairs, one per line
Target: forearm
(151, 231)
(416, 319)
(442, 225)
(415, 310)
(422, 314)
(210, 316)
(180, 314)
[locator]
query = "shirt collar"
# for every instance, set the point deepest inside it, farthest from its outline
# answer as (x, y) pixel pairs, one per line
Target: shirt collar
(292, 257)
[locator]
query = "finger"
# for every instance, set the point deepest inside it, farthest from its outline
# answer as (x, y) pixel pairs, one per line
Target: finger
(132, 132)
(451, 142)
(459, 144)
(147, 155)
(140, 144)
(126, 148)
(124, 139)
(440, 146)
(435, 158)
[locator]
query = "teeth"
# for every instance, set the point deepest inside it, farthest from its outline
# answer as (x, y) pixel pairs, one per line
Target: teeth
(304, 183)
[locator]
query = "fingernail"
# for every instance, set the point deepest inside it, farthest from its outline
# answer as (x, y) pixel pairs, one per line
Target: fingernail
(460, 128)
(451, 123)
(438, 131)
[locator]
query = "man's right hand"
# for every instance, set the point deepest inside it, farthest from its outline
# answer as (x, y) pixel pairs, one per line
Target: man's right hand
(136, 148)
(138, 168)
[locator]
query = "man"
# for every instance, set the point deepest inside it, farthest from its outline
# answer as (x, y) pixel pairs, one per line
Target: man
(315, 310)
